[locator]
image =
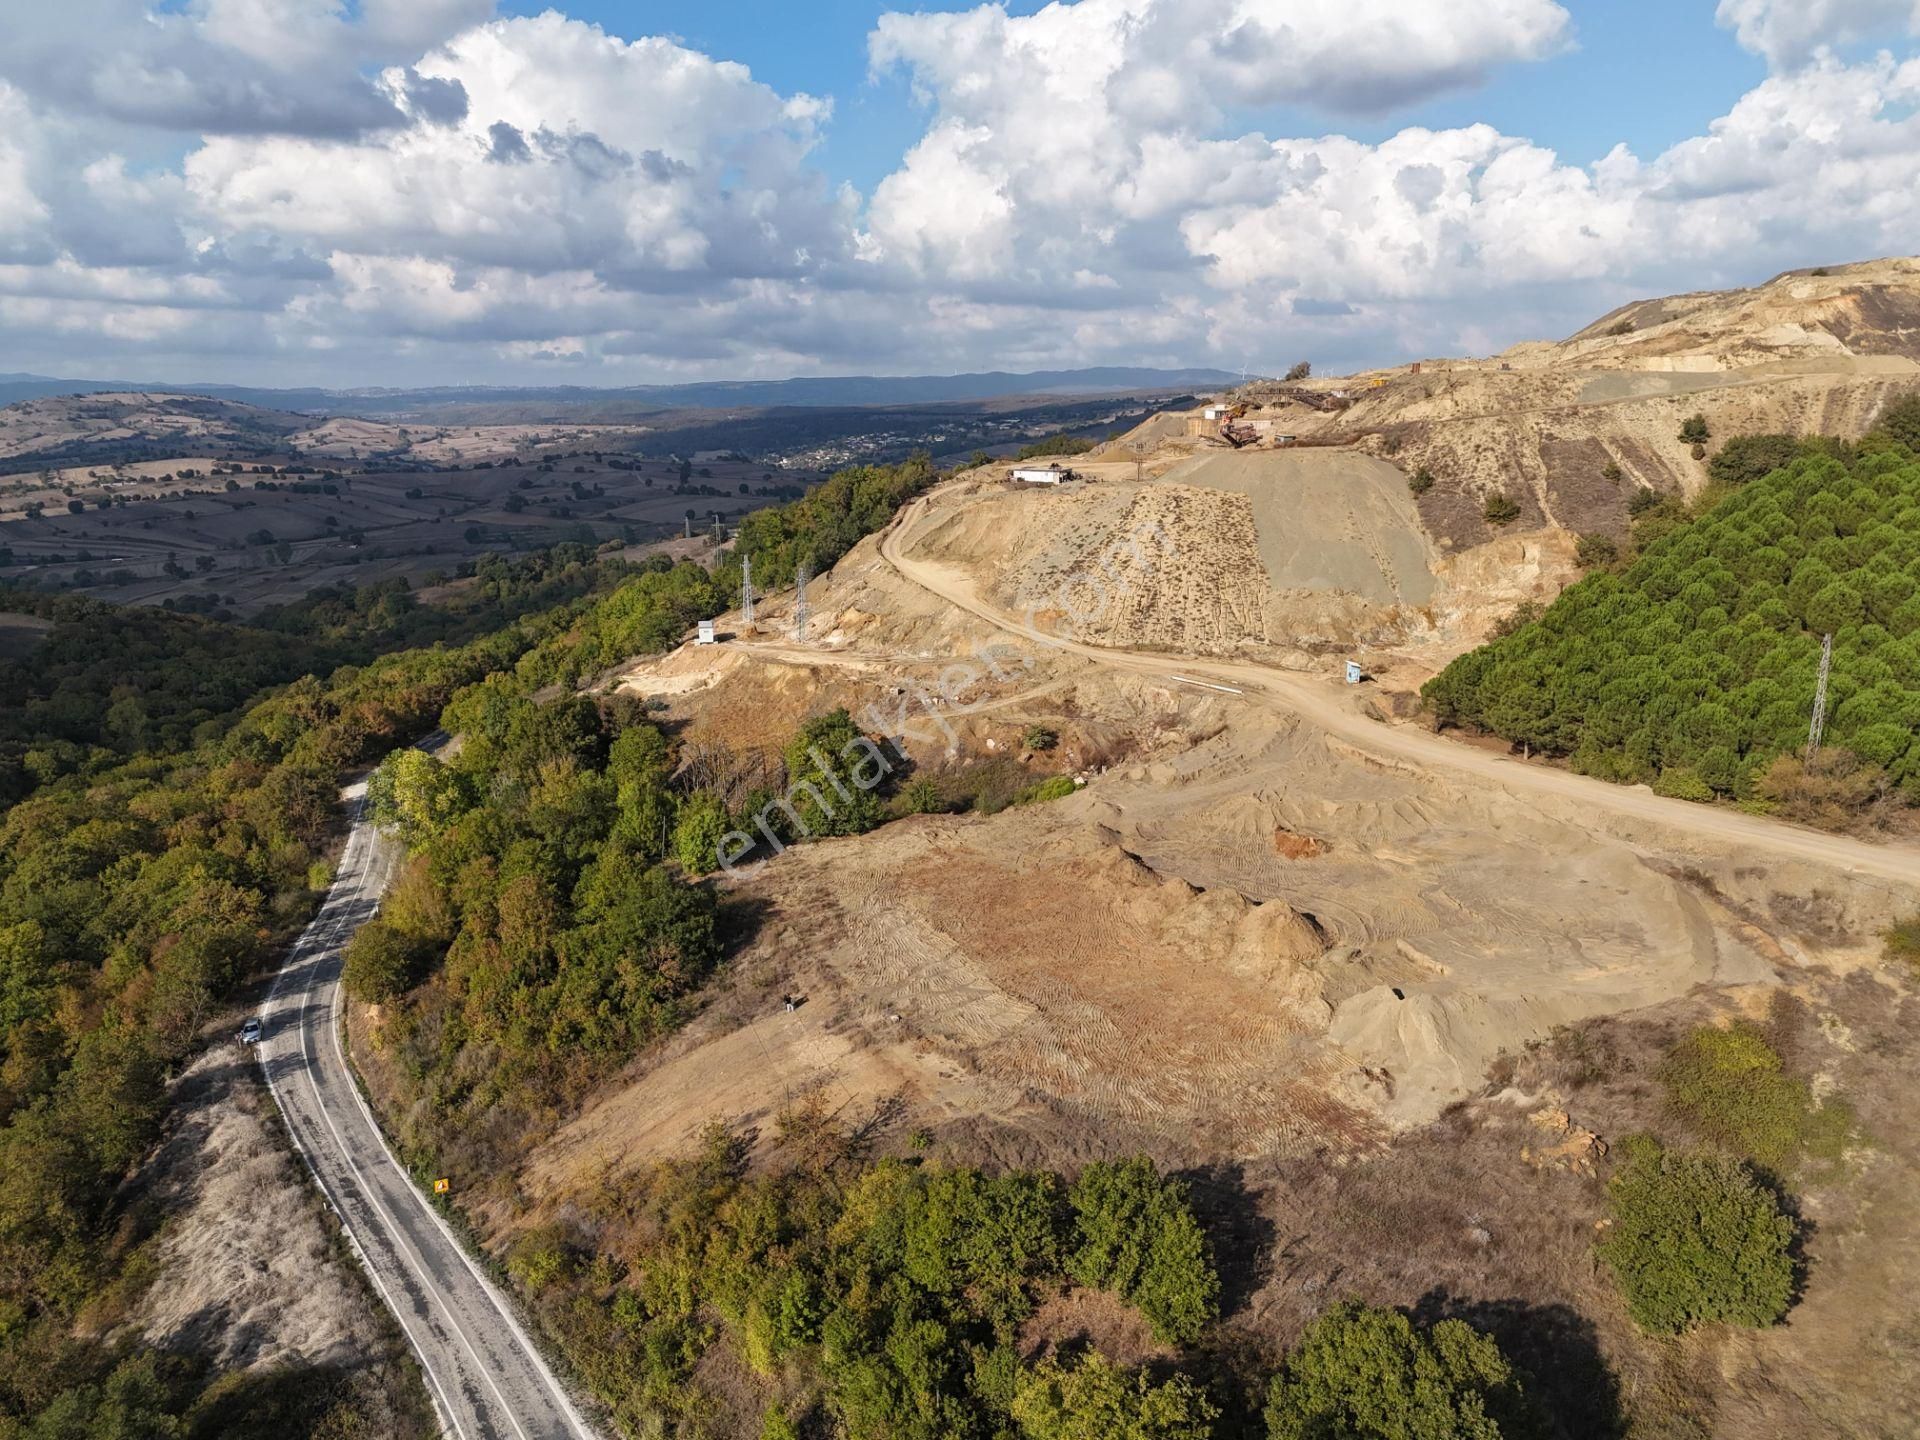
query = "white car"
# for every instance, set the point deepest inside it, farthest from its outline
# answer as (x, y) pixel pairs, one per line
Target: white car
(250, 1033)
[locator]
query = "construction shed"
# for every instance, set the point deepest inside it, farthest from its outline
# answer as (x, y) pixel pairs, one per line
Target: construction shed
(1041, 474)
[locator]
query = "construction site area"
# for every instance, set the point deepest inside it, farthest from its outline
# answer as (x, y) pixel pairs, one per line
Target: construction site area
(1279, 928)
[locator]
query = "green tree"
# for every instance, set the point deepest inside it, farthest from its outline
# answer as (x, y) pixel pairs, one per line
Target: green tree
(833, 774)
(1137, 1236)
(703, 823)
(417, 792)
(1097, 1400)
(1900, 421)
(1746, 458)
(1361, 1373)
(1696, 1240)
(380, 963)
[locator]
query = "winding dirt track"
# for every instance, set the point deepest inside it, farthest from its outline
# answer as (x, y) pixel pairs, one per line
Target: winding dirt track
(1327, 710)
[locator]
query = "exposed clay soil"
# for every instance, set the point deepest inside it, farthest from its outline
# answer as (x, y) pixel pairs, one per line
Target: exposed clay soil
(252, 1269)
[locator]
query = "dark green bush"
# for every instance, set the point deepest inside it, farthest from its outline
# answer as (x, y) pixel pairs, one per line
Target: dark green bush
(1696, 1240)
(1138, 1237)
(1361, 1373)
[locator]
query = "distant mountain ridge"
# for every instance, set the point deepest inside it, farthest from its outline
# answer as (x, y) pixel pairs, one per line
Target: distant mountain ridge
(700, 395)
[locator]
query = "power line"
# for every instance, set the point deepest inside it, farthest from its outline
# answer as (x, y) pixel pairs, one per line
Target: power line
(800, 612)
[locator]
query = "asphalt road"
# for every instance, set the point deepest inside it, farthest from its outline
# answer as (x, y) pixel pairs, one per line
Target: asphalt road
(1330, 709)
(486, 1379)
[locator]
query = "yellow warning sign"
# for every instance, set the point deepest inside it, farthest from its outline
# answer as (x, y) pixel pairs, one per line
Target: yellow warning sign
(440, 1187)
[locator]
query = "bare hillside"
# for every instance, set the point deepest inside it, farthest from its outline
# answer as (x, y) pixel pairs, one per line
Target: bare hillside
(1570, 430)
(109, 427)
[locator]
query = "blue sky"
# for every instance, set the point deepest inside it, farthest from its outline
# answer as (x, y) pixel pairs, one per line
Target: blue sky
(1643, 72)
(486, 191)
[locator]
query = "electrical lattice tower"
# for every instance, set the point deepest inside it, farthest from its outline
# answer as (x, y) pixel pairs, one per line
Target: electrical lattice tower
(1820, 700)
(800, 615)
(746, 589)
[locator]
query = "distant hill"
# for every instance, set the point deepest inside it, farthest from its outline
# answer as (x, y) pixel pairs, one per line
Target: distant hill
(114, 426)
(716, 394)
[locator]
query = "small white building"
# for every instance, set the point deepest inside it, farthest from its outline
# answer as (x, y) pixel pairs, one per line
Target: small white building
(1041, 474)
(1217, 412)
(704, 634)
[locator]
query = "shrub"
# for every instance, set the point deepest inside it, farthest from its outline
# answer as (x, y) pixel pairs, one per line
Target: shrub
(1903, 941)
(1421, 481)
(1039, 737)
(920, 796)
(831, 758)
(1595, 551)
(1097, 1400)
(1695, 431)
(1832, 793)
(1527, 612)
(1696, 1240)
(1137, 1237)
(1613, 474)
(1302, 371)
(1056, 787)
(1621, 327)
(1730, 1084)
(1500, 508)
(1681, 783)
(1361, 1373)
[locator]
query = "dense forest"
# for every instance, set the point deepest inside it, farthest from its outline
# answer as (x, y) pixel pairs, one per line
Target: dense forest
(108, 682)
(147, 869)
(131, 905)
(1692, 663)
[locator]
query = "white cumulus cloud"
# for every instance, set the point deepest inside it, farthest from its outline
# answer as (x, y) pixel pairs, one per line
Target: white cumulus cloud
(344, 190)
(1791, 32)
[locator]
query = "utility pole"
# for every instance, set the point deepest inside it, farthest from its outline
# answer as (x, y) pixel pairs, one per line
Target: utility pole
(746, 589)
(1820, 702)
(800, 616)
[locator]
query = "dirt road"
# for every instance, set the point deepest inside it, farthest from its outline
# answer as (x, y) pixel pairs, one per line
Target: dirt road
(487, 1380)
(1330, 711)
